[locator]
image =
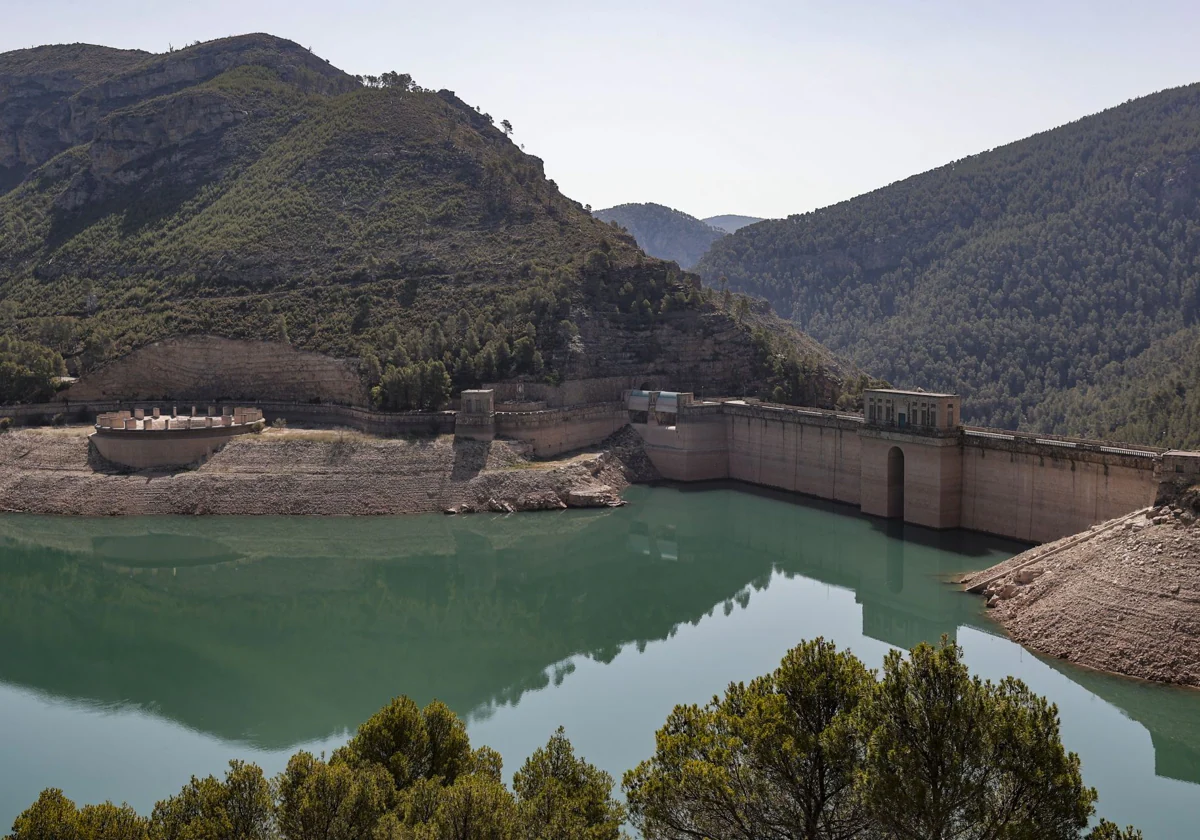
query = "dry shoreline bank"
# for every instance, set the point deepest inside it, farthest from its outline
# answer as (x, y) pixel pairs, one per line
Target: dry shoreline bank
(1122, 597)
(324, 473)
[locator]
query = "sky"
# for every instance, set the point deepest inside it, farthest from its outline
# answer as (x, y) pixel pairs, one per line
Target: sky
(755, 107)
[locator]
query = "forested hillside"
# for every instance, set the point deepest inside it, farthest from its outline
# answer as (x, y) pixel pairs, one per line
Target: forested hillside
(1152, 398)
(663, 232)
(1013, 276)
(246, 188)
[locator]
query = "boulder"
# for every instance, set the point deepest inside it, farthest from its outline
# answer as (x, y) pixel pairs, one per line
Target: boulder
(597, 495)
(540, 500)
(1024, 576)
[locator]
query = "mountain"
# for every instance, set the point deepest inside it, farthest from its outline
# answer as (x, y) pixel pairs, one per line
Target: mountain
(663, 232)
(730, 224)
(1012, 276)
(247, 188)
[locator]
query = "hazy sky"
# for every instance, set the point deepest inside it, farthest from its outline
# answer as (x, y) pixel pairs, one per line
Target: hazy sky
(762, 108)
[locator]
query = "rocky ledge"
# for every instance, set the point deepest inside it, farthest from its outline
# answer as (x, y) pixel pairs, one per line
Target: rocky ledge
(1122, 597)
(323, 472)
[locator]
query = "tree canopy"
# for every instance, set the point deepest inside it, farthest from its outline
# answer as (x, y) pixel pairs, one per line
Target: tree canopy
(823, 749)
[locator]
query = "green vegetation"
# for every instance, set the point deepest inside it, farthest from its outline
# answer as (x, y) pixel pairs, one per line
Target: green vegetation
(662, 232)
(1153, 397)
(27, 371)
(369, 218)
(819, 750)
(408, 774)
(1012, 276)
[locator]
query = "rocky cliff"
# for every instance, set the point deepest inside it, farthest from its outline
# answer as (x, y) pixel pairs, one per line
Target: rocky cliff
(209, 368)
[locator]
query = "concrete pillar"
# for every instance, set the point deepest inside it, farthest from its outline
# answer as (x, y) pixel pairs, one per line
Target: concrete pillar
(155, 414)
(212, 409)
(130, 424)
(139, 414)
(193, 411)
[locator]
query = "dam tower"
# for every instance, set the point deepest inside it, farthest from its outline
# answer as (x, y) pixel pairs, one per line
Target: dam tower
(911, 457)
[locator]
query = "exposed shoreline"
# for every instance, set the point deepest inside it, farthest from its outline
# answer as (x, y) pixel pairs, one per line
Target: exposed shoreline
(1122, 597)
(322, 473)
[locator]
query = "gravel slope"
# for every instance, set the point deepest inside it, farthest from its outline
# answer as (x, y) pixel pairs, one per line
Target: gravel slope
(1123, 597)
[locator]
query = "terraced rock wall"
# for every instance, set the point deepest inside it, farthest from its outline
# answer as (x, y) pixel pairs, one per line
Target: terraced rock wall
(211, 368)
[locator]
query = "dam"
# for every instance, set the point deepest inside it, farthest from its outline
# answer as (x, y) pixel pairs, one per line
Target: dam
(907, 457)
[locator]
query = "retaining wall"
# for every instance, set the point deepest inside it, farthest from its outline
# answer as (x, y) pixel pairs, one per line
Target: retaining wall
(575, 392)
(557, 430)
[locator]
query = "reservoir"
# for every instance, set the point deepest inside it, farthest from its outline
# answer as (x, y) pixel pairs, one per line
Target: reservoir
(137, 652)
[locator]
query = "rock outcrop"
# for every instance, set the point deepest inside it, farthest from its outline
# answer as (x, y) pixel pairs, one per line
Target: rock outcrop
(209, 368)
(1122, 597)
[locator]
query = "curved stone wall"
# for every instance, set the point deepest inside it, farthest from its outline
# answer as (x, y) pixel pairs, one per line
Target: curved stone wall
(205, 367)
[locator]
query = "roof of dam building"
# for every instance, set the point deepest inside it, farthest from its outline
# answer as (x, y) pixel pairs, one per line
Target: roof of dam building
(903, 393)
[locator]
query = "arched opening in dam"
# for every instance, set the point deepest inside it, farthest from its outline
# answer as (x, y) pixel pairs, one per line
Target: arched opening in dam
(895, 483)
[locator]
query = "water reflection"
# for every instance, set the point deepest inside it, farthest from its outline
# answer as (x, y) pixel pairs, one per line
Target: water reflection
(279, 631)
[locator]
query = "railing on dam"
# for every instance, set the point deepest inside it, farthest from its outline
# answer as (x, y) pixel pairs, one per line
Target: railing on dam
(1079, 444)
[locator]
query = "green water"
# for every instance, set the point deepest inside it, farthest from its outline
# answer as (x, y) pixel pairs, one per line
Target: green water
(137, 652)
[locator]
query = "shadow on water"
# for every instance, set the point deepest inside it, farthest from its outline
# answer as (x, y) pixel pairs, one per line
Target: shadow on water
(965, 543)
(273, 631)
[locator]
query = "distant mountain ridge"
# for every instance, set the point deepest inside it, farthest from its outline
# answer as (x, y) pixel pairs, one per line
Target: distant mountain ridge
(664, 232)
(246, 188)
(1022, 276)
(731, 223)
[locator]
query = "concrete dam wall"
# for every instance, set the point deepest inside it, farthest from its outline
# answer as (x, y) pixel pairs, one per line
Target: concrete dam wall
(1035, 489)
